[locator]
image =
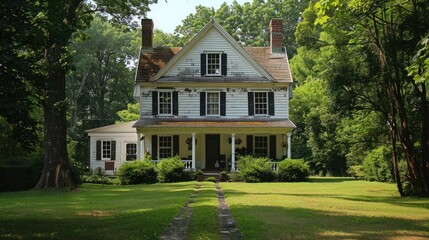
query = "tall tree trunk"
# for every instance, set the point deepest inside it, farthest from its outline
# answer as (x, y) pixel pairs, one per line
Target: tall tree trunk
(56, 173)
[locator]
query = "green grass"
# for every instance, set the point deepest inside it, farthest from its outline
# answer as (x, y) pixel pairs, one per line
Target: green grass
(92, 212)
(326, 208)
(204, 222)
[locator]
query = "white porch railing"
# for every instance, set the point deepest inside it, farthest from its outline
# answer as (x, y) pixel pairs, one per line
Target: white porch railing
(186, 167)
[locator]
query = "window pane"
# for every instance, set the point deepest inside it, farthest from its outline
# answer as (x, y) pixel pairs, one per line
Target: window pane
(213, 63)
(261, 146)
(106, 149)
(261, 103)
(165, 101)
(212, 103)
(165, 147)
(131, 151)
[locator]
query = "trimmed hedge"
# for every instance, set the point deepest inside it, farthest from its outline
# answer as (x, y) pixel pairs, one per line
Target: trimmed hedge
(137, 172)
(255, 169)
(293, 170)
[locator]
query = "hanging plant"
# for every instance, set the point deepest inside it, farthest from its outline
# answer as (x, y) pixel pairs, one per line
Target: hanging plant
(189, 141)
(284, 144)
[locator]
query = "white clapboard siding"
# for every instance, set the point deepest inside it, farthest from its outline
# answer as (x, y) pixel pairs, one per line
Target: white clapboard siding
(281, 103)
(190, 63)
(236, 104)
(189, 103)
(146, 103)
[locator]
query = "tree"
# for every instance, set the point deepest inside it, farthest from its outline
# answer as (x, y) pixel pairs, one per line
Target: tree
(132, 113)
(373, 43)
(54, 22)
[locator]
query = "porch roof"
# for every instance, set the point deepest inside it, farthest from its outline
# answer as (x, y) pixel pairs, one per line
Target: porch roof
(182, 125)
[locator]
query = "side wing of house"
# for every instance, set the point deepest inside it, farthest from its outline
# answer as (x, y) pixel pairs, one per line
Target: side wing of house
(111, 146)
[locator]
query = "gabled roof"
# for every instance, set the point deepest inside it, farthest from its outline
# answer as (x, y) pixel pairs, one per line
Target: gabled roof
(114, 128)
(157, 62)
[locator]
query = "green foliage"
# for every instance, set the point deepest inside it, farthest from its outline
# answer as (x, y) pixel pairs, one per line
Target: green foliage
(378, 166)
(210, 179)
(224, 176)
(131, 114)
(419, 68)
(255, 169)
(198, 175)
(99, 179)
(137, 172)
(293, 170)
(171, 170)
(356, 171)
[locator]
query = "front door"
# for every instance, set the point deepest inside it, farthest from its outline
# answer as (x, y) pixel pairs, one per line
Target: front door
(212, 150)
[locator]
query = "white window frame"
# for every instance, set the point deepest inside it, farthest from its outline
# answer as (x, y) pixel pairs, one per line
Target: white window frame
(207, 103)
(266, 104)
(126, 150)
(267, 147)
(108, 155)
(207, 63)
(159, 103)
(163, 147)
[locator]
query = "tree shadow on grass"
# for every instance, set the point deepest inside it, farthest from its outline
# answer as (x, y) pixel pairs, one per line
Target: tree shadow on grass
(330, 179)
(267, 222)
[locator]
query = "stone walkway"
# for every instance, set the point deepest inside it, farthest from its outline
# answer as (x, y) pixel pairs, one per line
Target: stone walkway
(228, 226)
(178, 228)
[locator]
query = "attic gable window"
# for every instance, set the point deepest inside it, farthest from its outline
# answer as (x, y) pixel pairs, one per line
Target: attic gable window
(213, 64)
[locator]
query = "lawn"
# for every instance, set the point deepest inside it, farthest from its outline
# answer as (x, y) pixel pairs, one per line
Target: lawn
(326, 208)
(92, 212)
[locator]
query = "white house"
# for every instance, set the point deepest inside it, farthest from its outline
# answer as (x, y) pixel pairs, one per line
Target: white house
(206, 102)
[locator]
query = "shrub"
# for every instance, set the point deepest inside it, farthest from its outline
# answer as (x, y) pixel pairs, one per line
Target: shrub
(255, 169)
(377, 165)
(198, 175)
(234, 177)
(210, 179)
(293, 170)
(137, 172)
(356, 171)
(224, 176)
(94, 178)
(171, 170)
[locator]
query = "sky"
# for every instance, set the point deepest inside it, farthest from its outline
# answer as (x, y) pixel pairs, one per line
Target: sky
(167, 15)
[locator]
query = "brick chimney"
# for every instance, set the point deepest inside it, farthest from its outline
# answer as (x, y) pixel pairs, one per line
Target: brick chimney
(147, 33)
(276, 35)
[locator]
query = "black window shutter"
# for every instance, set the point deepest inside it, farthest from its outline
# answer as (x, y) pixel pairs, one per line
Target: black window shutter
(113, 150)
(203, 64)
(202, 103)
(154, 147)
(224, 65)
(223, 103)
(250, 144)
(154, 103)
(98, 150)
(271, 103)
(273, 149)
(251, 103)
(175, 145)
(175, 103)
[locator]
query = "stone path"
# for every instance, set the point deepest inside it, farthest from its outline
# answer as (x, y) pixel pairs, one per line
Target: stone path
(178, 228)
(228, 226)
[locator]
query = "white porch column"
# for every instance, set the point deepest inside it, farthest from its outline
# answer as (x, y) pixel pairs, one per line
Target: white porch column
(284, 151)
(143, 147)
(232, 152)
(193, 151)
(289, 147)
(138, 146)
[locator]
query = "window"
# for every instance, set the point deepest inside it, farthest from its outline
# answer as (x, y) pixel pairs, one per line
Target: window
(165, 147)
(213, 64)
(106, 150)
(131, 151)
(261, 146)
(165, 103)
(261, 103)
(213, 102)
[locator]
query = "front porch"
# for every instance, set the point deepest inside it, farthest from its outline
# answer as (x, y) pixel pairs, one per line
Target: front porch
(213, 146)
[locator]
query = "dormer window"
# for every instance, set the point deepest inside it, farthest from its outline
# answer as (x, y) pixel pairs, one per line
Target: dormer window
(213, 64)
